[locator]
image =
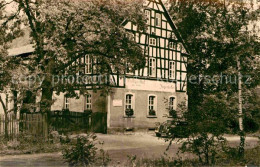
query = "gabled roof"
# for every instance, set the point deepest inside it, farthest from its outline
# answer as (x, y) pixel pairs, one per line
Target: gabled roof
(21, 50)
(174, 27)
(22, 44)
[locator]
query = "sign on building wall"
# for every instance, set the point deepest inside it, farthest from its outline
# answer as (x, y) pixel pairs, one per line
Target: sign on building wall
(117, 103)
(152, 85)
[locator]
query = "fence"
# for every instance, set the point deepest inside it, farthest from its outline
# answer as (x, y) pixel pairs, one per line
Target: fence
(76, 121)
(69, 121)
(39, 124)
(34, 124)
(9, 126)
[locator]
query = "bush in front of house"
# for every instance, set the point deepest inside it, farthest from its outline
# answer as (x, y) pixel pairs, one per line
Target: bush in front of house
(205, 129)
(82, 151)
(173, 113)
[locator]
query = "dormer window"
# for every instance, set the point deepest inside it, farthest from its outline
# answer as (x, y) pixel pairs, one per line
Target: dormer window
(158, 20)
(152, 41)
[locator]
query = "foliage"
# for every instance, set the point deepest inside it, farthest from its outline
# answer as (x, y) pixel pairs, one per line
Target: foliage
(221, 36)
(205, 129)
(82, 151)
(87, 112)
(129, 112)
(160, 162)
(216, 33)
(152, 112)
(173, 113)
(227, 158)
(8, 65)
(63, 32)
(27, 143)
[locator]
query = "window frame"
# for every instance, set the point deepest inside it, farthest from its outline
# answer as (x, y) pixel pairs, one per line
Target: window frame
(152, 41)
(154, 105)
(132, 103)
(148, 16)
(158, 20)
(172, 70)
(174, 105)
(66, 103)
(152, 66)
(171, 45)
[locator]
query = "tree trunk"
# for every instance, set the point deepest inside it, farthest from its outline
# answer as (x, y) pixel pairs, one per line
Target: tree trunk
(6, 118)
(240, 111)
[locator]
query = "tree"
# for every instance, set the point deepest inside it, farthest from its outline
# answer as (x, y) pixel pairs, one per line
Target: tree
(8, 31)
(222, 47)
(204, 128)
(64, 31)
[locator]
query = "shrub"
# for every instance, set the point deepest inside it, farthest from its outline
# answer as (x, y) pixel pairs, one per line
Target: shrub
(205, 128)
(88, 112)
(173, 113)
(29, 143)
(159, 162)
(82, 151)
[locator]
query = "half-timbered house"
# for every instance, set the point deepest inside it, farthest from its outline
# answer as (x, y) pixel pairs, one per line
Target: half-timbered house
(140, 98)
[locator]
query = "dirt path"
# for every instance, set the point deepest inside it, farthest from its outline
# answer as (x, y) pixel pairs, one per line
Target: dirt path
(118, 146)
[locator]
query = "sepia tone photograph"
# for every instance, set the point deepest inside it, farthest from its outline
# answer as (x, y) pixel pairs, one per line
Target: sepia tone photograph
(129, 83)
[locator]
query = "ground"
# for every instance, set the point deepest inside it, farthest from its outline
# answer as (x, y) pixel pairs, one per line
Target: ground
(119, 146)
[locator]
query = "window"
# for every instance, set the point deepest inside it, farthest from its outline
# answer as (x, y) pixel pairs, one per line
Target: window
(152, 69)
(87, 64)
(152, 41)
(146, 51)
(129, 101)
(171, 45)
(151, 102)
(129, 105)
(151, 105)
(158, 20)
(88, 102)
(171, 69)
(171, 103)
(153, 31)
(67, 103)
(148, 15)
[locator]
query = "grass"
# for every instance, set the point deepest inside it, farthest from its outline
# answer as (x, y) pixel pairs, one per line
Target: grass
(252, 157)
(28, 144)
